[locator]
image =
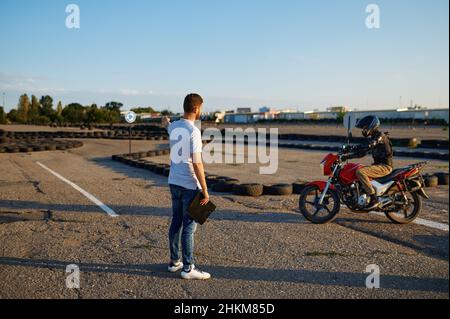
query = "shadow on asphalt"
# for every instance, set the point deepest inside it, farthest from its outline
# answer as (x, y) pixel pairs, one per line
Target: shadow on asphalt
(343, 279)
(131, 172)
(127, 210)
(429, 242)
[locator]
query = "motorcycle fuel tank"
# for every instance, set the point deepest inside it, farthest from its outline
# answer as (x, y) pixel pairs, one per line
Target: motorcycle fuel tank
(348, 173)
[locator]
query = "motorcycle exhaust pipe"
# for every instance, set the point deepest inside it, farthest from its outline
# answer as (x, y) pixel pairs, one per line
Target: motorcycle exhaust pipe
(385, 201)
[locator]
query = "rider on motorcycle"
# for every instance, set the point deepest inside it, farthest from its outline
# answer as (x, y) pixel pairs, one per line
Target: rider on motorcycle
(380, 146)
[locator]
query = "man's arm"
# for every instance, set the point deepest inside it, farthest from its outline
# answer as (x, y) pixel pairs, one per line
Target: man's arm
(356, 151)
(199, 170)
(361, 150)
(165, 121)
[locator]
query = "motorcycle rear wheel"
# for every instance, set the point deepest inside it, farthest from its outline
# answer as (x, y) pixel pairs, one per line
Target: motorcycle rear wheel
(308, 204)
(403, 216)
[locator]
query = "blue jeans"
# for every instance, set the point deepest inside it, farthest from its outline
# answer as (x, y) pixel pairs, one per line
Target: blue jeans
(183, 227)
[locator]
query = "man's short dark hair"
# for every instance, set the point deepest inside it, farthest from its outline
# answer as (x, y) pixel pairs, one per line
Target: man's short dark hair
(191, 101)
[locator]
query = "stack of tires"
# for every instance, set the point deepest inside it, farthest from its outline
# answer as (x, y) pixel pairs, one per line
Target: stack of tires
(433, 180)
(121, 134)
(31, 144)
(224, 184)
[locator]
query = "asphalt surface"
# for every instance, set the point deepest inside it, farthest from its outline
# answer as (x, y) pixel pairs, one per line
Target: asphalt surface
(254, 248)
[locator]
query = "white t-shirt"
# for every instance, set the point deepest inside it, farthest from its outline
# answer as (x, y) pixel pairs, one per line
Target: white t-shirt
(185, 140)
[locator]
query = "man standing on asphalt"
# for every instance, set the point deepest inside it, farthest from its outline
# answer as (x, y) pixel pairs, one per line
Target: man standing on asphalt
(186, 180)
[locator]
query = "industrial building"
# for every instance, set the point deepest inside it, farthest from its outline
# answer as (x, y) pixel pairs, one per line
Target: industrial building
(407, 114)
(393, 114)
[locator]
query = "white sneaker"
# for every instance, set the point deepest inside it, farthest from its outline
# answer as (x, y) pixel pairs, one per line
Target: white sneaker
(175, 266)
(195, 274)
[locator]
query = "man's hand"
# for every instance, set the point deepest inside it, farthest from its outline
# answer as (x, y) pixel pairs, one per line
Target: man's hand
(205, 200)
(165, 121)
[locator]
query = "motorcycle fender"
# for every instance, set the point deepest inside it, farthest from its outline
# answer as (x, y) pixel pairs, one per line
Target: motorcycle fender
(422, 193)
(321, 185)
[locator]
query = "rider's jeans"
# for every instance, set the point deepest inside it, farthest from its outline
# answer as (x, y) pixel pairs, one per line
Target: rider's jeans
(371, 172)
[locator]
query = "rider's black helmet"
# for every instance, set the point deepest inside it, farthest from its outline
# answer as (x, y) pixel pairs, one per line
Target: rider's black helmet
(368, 125)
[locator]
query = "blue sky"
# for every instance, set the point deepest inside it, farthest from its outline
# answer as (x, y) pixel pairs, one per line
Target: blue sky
(236, 53)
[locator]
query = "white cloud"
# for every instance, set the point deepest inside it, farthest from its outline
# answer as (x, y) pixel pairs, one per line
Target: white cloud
(134, 92)
(25, 83)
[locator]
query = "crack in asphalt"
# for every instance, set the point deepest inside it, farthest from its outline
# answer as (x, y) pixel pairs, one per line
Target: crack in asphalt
(36, 184)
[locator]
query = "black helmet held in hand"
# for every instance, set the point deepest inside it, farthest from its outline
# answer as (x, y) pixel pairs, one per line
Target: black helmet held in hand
(368, 125)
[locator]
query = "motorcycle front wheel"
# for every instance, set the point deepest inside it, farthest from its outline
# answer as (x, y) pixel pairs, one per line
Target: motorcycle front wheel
(315, 213)
(408, 211)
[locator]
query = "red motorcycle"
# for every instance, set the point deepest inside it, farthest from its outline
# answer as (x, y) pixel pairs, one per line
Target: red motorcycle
(399, 193)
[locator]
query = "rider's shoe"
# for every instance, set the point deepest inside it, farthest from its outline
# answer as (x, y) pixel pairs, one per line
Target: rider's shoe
(374, 203)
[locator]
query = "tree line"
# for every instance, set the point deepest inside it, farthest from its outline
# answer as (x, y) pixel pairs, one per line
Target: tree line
(42, 112)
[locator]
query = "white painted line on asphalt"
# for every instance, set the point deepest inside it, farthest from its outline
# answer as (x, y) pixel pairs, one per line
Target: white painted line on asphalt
(423, 222)
(432, 224)
(419, 221)
(105, 208)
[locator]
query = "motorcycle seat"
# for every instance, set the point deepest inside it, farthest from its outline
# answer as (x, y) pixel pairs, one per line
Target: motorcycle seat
(391, 176)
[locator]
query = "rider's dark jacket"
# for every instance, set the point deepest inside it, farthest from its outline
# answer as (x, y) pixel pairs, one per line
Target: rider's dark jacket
(379, 145)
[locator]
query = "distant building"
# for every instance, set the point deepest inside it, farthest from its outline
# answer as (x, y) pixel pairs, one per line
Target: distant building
(266, 109)
(289, 116)
(338, 109)
(290, 111)
(407, 114)
(240, 118)
(334, 113)
(244, 110)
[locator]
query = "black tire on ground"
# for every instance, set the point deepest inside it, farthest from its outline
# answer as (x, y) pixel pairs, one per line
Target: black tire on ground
(159, 169)
(277, 189)
(400, 218)
(134, 163)
(141, 164)
(252, 189)
(166, 171)
(297, 188)
(148, 166)
(12, 149)
(211, 180)
(224, 186)
(431, 181)
(223, 178)
(305, 204)
(38, 148)
(26, 149)
(442, 178)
